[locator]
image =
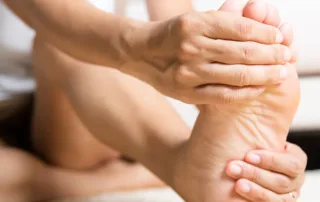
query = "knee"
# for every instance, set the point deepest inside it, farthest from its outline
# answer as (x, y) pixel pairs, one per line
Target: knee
(17, 167)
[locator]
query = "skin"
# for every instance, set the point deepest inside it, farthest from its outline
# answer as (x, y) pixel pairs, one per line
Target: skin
(83, 78)
(182, 75)
(267, 130)
(62, 177)
(264, 124)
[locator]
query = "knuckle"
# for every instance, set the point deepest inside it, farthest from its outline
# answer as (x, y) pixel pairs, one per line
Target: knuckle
(254, 175)
(211, 72)
(272, 73)
(247, 52)
(251, 173)
(214, 24)
(297, 167)
(181, 75)
(271, 33)
(279, 54)
(269, 161)
(187, 50)
(241, 77)
(262, 197)
(228, 97)
(243, 29)
(189, 22)
(284, 184)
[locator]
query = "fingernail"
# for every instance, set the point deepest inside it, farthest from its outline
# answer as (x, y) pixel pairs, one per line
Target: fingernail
(254, 159)
(287, 55)
(279, 37)
(235, 170)
(245, 188)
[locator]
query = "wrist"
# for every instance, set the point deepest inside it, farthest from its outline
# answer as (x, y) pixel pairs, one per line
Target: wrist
(131, 41)
(147, 54)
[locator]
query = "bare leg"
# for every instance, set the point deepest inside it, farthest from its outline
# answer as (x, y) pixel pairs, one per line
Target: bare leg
(25, 179)
(61, 138)
(58, 134)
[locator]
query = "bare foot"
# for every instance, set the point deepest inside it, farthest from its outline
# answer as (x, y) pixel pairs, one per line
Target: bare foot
(228, 131)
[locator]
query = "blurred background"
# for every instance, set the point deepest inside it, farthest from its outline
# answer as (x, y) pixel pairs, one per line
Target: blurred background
(303, 14)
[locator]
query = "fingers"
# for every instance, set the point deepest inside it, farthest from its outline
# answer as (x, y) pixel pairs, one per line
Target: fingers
(235, 52)
(255, 193)
(292, 162)
(221, 94)
(287, 31)
(242, 75)
(223, 25)
(278, 183)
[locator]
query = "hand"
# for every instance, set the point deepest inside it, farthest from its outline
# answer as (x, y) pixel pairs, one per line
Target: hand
(267, 176)
(268, 14)
(203, 58)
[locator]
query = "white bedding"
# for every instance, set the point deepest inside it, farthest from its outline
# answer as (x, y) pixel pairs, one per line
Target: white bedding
(309, 194)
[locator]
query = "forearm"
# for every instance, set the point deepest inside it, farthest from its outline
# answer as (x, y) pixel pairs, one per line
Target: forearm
(121, 111)
(165, 9)
(77, 28)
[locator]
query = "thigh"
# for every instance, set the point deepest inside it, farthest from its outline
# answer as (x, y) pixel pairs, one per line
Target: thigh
(58, 135)
(58, 132)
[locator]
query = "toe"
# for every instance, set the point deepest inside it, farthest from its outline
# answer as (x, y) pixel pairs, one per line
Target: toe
(233, 6)
(256, 10)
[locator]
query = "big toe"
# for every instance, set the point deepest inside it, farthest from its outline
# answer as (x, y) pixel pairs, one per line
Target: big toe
(233, 6)
(262, 12)
(257, 10)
